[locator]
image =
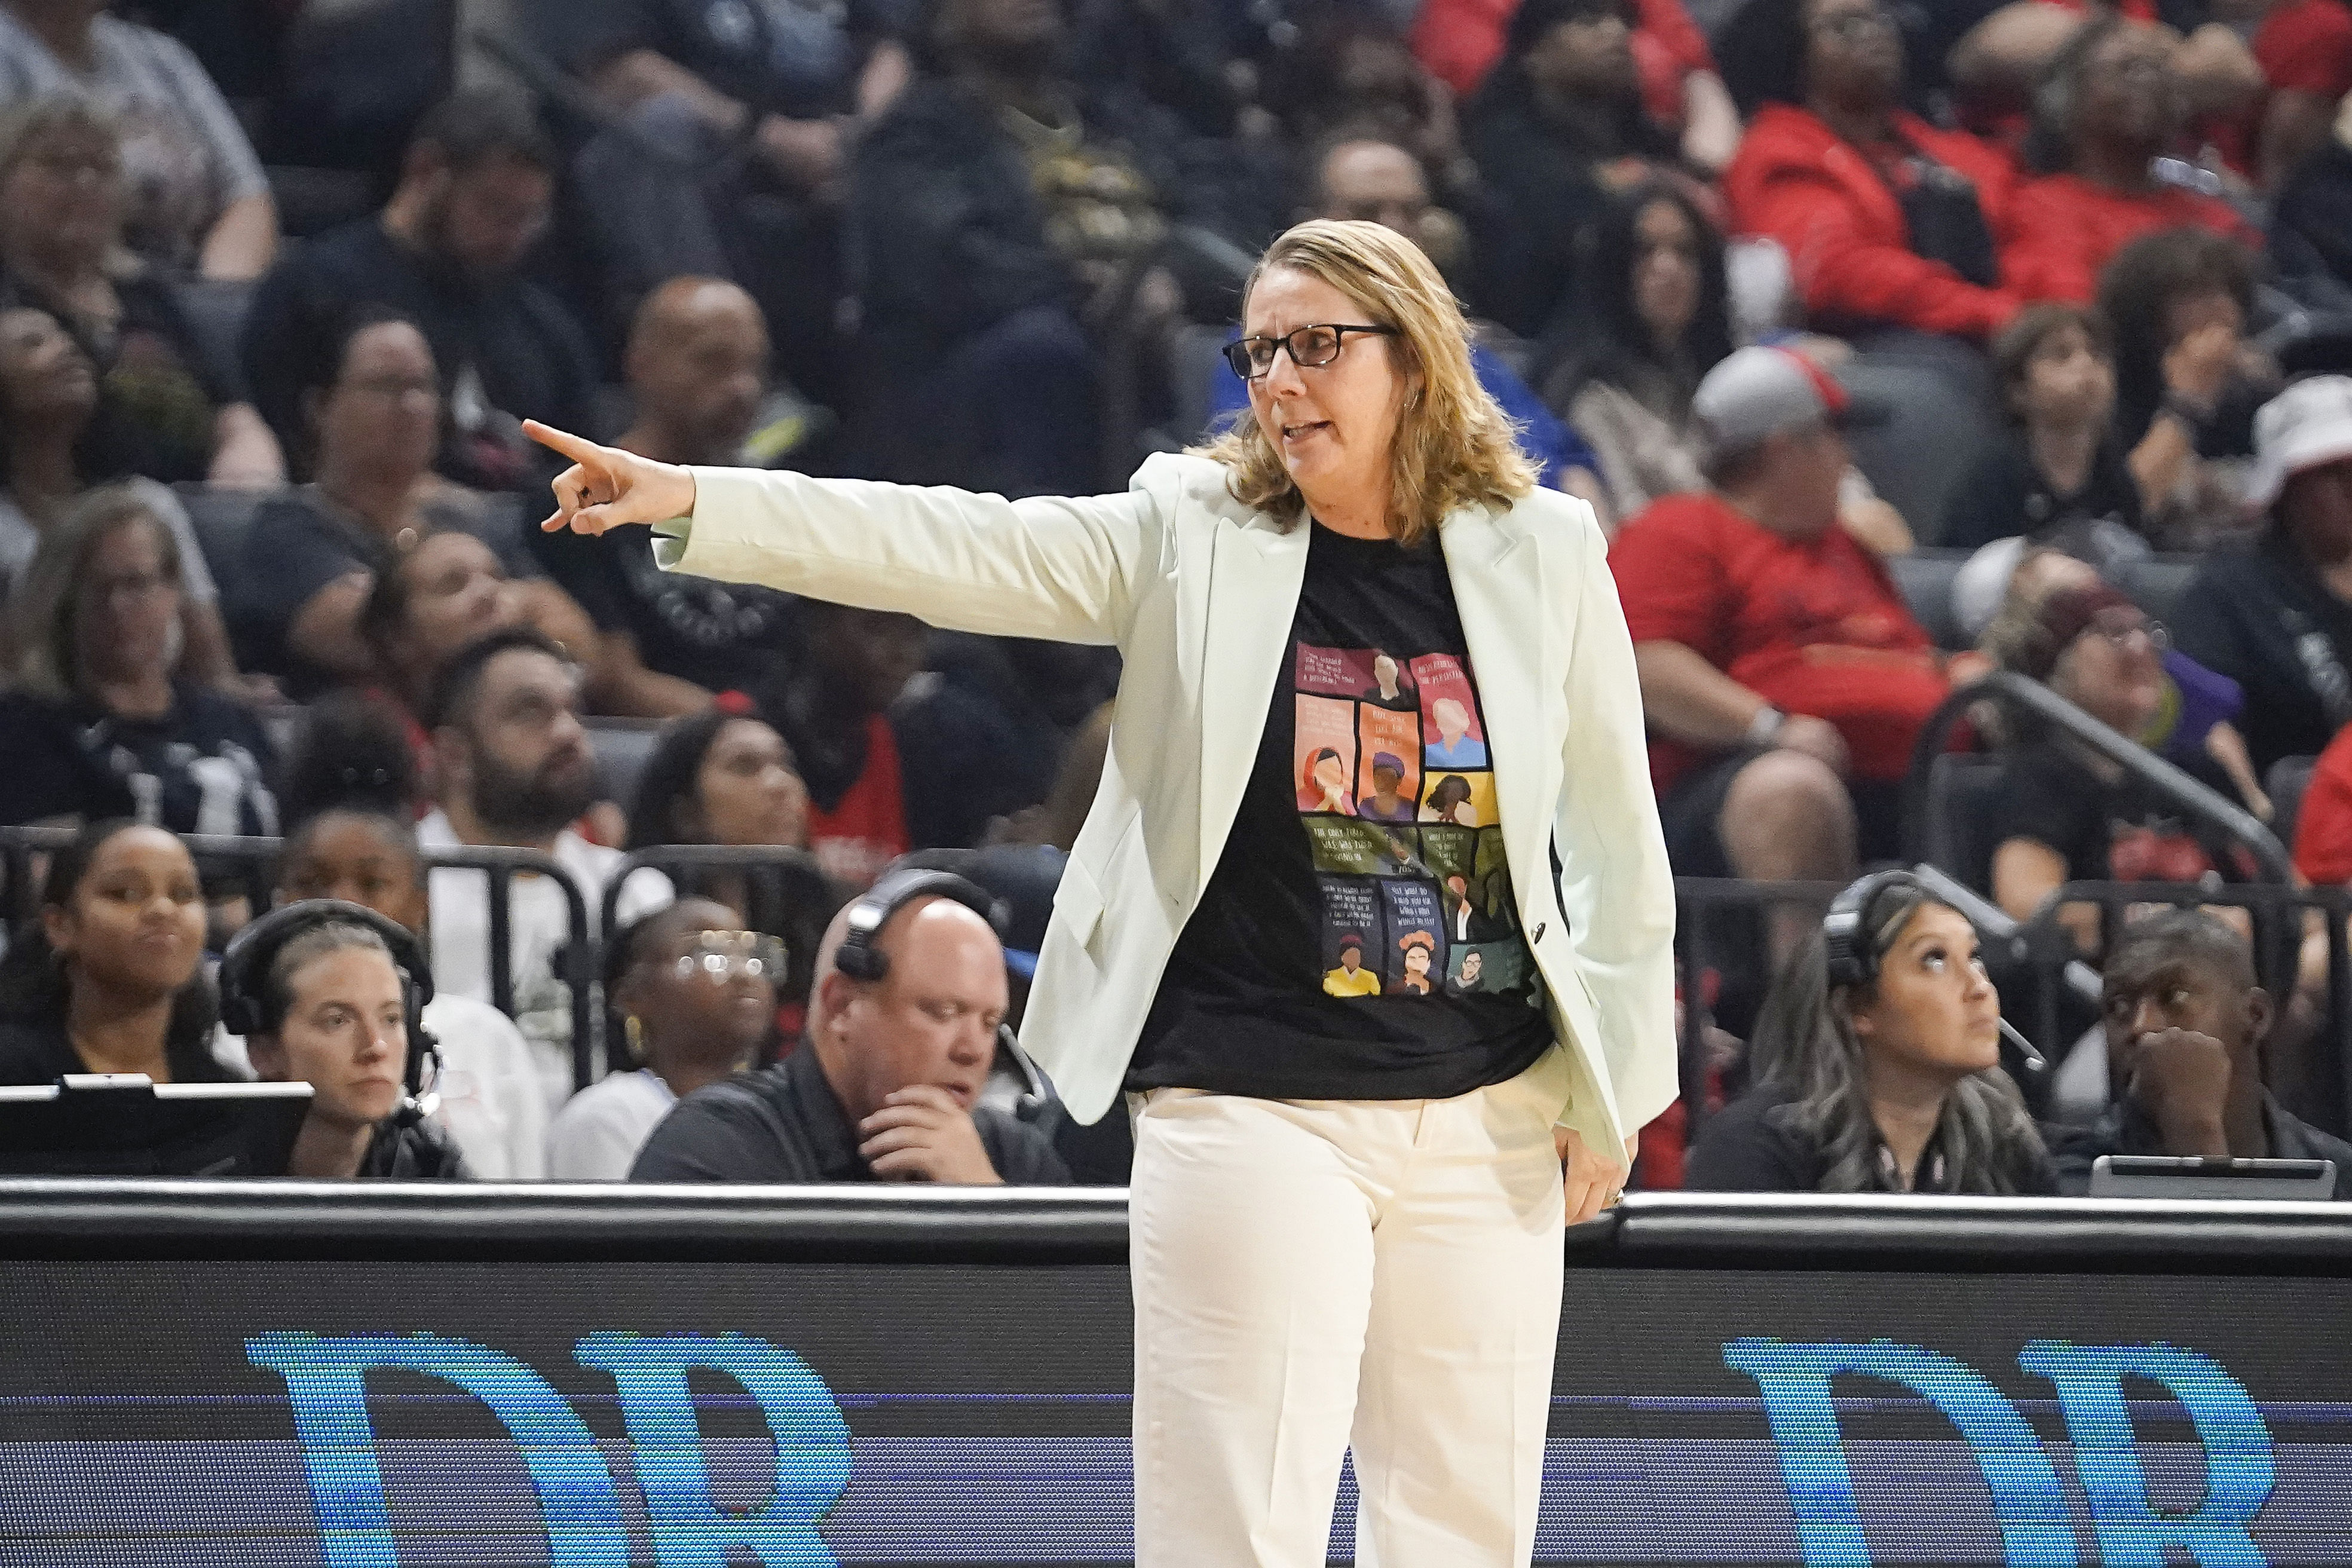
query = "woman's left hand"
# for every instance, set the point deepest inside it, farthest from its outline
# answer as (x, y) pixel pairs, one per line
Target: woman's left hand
(1593, 1181)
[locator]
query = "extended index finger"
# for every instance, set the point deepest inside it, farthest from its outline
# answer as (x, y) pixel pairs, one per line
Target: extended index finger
(578, 448)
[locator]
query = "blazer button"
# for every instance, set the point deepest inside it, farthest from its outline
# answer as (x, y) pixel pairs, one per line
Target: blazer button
(1541, 929)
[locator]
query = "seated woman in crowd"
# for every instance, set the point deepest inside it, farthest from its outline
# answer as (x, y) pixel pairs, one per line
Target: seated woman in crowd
(1559, 124)
(1656, 318)
(374, 403)
(63, 198)
(726, 777)
(334, 1003)
(111, 978)
(202, 203)
(1887, 221)
(692, 999)
(2054, 472)
(2109, 106)
(2273, 613)
(1885, 1078)
(100, 724)
(60, 438)
(351, 791)
(2186, 382)
(2066, 814)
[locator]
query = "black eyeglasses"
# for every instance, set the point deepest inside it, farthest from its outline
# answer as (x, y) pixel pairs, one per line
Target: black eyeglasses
(1308, 347)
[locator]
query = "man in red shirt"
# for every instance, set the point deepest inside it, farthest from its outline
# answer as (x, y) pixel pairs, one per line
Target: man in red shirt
(2112, 105)
(1783, 678)
(2305, 48)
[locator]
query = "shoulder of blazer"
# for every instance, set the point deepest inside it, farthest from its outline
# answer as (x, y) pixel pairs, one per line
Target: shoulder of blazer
(1188, 487)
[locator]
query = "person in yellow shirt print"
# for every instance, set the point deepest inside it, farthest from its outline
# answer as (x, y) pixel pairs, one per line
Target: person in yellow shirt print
(1352, 978)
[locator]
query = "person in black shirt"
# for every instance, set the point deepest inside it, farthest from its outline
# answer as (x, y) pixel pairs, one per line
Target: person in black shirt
(2064, 814)
(2274, 614)
(111, 977)
(2056, 464)
(1890, 1082)
(98, 726)
(887, 1085)
(2185, 1024)
(697, 369)
(322, 997)
(475, 196)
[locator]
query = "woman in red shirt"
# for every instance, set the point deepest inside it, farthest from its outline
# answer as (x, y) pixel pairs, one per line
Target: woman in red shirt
(2109, 106)
(1887, 221)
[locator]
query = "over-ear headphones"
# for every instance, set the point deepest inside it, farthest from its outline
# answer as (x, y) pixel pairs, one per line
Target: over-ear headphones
(244, 980)
(1850, 944)
(859, 958)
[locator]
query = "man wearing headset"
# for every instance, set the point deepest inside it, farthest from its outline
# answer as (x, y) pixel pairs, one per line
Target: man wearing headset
(903, 1020)
(328, 994)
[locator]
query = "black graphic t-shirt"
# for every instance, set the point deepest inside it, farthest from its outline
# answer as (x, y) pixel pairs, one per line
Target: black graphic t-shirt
(1359, 938)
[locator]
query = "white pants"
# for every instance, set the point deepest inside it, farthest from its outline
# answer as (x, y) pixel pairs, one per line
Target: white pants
(1310, 1275)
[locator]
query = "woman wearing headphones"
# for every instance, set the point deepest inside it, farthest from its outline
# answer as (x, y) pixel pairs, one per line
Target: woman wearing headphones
(1346, 1211)
(325, 994)
(1877, 1065)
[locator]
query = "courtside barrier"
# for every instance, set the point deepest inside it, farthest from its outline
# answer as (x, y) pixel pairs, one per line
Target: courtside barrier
(593, 1377)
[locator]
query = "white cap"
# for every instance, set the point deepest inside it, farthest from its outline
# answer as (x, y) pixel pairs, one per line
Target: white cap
(2307, 426)
(1759, 392)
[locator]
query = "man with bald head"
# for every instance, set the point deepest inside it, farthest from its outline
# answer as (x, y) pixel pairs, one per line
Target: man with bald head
(887, 1087)
(698, 372)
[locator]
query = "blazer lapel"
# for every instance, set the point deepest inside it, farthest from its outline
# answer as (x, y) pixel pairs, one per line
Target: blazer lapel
(1511, 611)
(1255, 571)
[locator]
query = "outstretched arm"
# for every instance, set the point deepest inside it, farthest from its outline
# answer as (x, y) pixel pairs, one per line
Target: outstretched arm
(1057, 568)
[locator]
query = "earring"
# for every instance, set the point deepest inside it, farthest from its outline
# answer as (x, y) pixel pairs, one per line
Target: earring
(635, 1032)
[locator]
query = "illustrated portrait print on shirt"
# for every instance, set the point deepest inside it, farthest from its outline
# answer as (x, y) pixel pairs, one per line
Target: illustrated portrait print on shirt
(1396, 795)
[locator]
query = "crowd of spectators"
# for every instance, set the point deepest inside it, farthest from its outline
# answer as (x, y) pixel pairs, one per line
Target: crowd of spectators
(1813, 301)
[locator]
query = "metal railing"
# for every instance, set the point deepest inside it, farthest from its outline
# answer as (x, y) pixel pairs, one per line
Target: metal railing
(576, 963)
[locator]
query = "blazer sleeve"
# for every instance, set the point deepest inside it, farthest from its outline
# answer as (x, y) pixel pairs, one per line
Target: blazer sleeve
(1058, 568)
(1616, 888)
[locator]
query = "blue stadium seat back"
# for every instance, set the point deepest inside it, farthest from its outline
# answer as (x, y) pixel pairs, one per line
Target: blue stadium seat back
(1924, 578)
(1959, 789)
(2289, 778)
(622, 746)
(222, 516)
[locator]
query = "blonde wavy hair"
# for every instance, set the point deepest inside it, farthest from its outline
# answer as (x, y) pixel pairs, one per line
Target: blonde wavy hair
(1454, 445)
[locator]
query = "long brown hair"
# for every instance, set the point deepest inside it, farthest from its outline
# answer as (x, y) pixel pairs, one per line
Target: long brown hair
(1454, 445)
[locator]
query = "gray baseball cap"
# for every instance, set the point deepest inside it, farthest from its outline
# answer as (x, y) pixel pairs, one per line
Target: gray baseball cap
(1759, 392)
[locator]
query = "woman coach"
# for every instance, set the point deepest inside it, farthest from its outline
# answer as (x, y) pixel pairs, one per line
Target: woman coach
(1346, 1209)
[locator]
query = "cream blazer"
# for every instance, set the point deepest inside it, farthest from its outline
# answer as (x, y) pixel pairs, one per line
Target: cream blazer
(1197, 592)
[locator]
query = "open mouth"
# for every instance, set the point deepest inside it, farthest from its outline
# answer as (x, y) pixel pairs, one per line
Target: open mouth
(1297, 431)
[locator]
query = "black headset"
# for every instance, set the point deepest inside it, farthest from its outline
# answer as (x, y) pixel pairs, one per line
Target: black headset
(244, 1001)
(1852, 947)
(860, 959)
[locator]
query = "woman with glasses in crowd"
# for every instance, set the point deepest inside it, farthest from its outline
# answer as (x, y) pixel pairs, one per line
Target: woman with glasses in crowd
(103, 722)
(110, 978)
(64, 198)
(726, 777)
(1877, 1068)
(692, 999)
(1373, 503)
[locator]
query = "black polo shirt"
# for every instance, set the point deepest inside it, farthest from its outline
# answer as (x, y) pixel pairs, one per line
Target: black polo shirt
(784, 1124)
(2126, 1128)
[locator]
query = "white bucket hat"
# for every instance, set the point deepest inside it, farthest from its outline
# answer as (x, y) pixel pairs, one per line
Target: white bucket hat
(2307, 426)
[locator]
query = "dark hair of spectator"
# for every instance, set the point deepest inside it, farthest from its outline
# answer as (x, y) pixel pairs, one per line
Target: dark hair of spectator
(453, 688)
(46, 611)
(1533, 23)
(353, 756)
(2050, 142)
(397, 827)
(2145, 277)
(1606, 339)
(2013, 349)
(328, 329)
(1761, 51)
(2182, 935)
(479, 125)
(385, 609)
(34, 986)
(1805, 1044)
(666, 784)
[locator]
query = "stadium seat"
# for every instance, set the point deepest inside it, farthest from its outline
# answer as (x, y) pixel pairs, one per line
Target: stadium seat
(622, 746)
(2290, 777)
(1924, 579)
